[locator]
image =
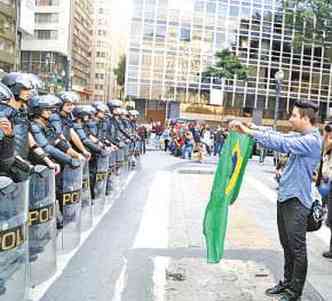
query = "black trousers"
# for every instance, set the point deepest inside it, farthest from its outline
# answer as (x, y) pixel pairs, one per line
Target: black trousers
(166, 142)
(292, 227)
(329, 215)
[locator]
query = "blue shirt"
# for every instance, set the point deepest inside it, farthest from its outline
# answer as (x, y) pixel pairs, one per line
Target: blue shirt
(304, 156)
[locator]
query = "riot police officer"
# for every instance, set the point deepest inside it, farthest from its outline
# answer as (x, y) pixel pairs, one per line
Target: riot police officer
(7, 142)
(41, 108)
(81, 117)
(15, 110)
(63, 123)
(101, 117)
(13, 196)
(133, 115)
(112, 131)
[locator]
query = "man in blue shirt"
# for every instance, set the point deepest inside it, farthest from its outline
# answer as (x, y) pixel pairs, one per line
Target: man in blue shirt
(294, 197)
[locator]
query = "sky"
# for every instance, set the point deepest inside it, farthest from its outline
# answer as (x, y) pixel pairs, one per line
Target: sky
(122, 10)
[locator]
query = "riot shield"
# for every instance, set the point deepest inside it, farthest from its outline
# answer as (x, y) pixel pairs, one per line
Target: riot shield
(13, 240)
(111, 183)
(99, 182)
(87, 216)
(125, 172)
(119, 168)
(131, 159)
(120, 160)
(126, 151)
(69, 196)
(42, 225)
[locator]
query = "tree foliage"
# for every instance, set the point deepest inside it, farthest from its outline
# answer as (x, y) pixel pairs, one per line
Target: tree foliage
(120, 72)
(227, 66)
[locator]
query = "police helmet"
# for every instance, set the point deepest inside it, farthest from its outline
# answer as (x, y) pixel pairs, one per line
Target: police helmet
(17, 81)
(101, 107)
(91, 109)
(37, 104)
(114, 103)
(37, 84)
(5, 94)
(124, 112)
(134, 113)
(69, 97)
(81, 111)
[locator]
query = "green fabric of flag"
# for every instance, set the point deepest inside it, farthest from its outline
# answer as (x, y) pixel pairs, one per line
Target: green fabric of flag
(226, 187)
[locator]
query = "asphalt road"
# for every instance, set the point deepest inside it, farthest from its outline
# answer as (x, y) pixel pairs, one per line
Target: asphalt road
(157, 222)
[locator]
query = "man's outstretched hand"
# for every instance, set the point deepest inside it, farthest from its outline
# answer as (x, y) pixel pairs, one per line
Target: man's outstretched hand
(239, 127)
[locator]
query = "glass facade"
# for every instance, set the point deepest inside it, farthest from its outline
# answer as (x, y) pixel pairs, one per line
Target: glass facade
(172, 43)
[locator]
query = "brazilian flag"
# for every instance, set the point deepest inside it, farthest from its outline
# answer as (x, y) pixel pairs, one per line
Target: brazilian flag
(226, 187)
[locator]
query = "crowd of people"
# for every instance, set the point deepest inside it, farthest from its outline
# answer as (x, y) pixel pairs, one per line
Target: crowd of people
(188, 140)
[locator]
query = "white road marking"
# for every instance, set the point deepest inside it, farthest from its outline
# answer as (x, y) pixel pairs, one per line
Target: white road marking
(120, 283)
(160, 265)
(153, 230)
(62, 260)
(271, 195)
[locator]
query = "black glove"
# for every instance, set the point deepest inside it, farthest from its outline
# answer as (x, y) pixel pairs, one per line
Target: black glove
(20, 170)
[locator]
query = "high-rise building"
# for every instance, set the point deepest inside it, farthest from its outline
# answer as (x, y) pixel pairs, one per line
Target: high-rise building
(101, 54)
(172, 43)
(7, 35)
(81, 47)
(60, 50)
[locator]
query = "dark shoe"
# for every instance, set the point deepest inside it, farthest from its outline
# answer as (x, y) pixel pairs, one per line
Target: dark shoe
(278, 289)
(289, 296)
(327, 254)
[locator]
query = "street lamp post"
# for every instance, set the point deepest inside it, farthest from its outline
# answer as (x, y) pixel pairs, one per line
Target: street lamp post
(279, 76)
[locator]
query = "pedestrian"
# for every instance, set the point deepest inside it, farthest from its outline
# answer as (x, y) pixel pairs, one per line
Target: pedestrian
(294, 195)
(326, 176)
(166, 136)
(188, 146)
(206, 139)
(218, 141)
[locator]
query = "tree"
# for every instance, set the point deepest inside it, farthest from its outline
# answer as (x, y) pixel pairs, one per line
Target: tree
(312, 21)
(227, 66)
(120, 73)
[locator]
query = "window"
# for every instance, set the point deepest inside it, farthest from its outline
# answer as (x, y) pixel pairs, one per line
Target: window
(185, 34)
(47, 2)
(102, 32)
(46, 34)
(148, 31)
(46, 18)
(101, 54)
(99, 76)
